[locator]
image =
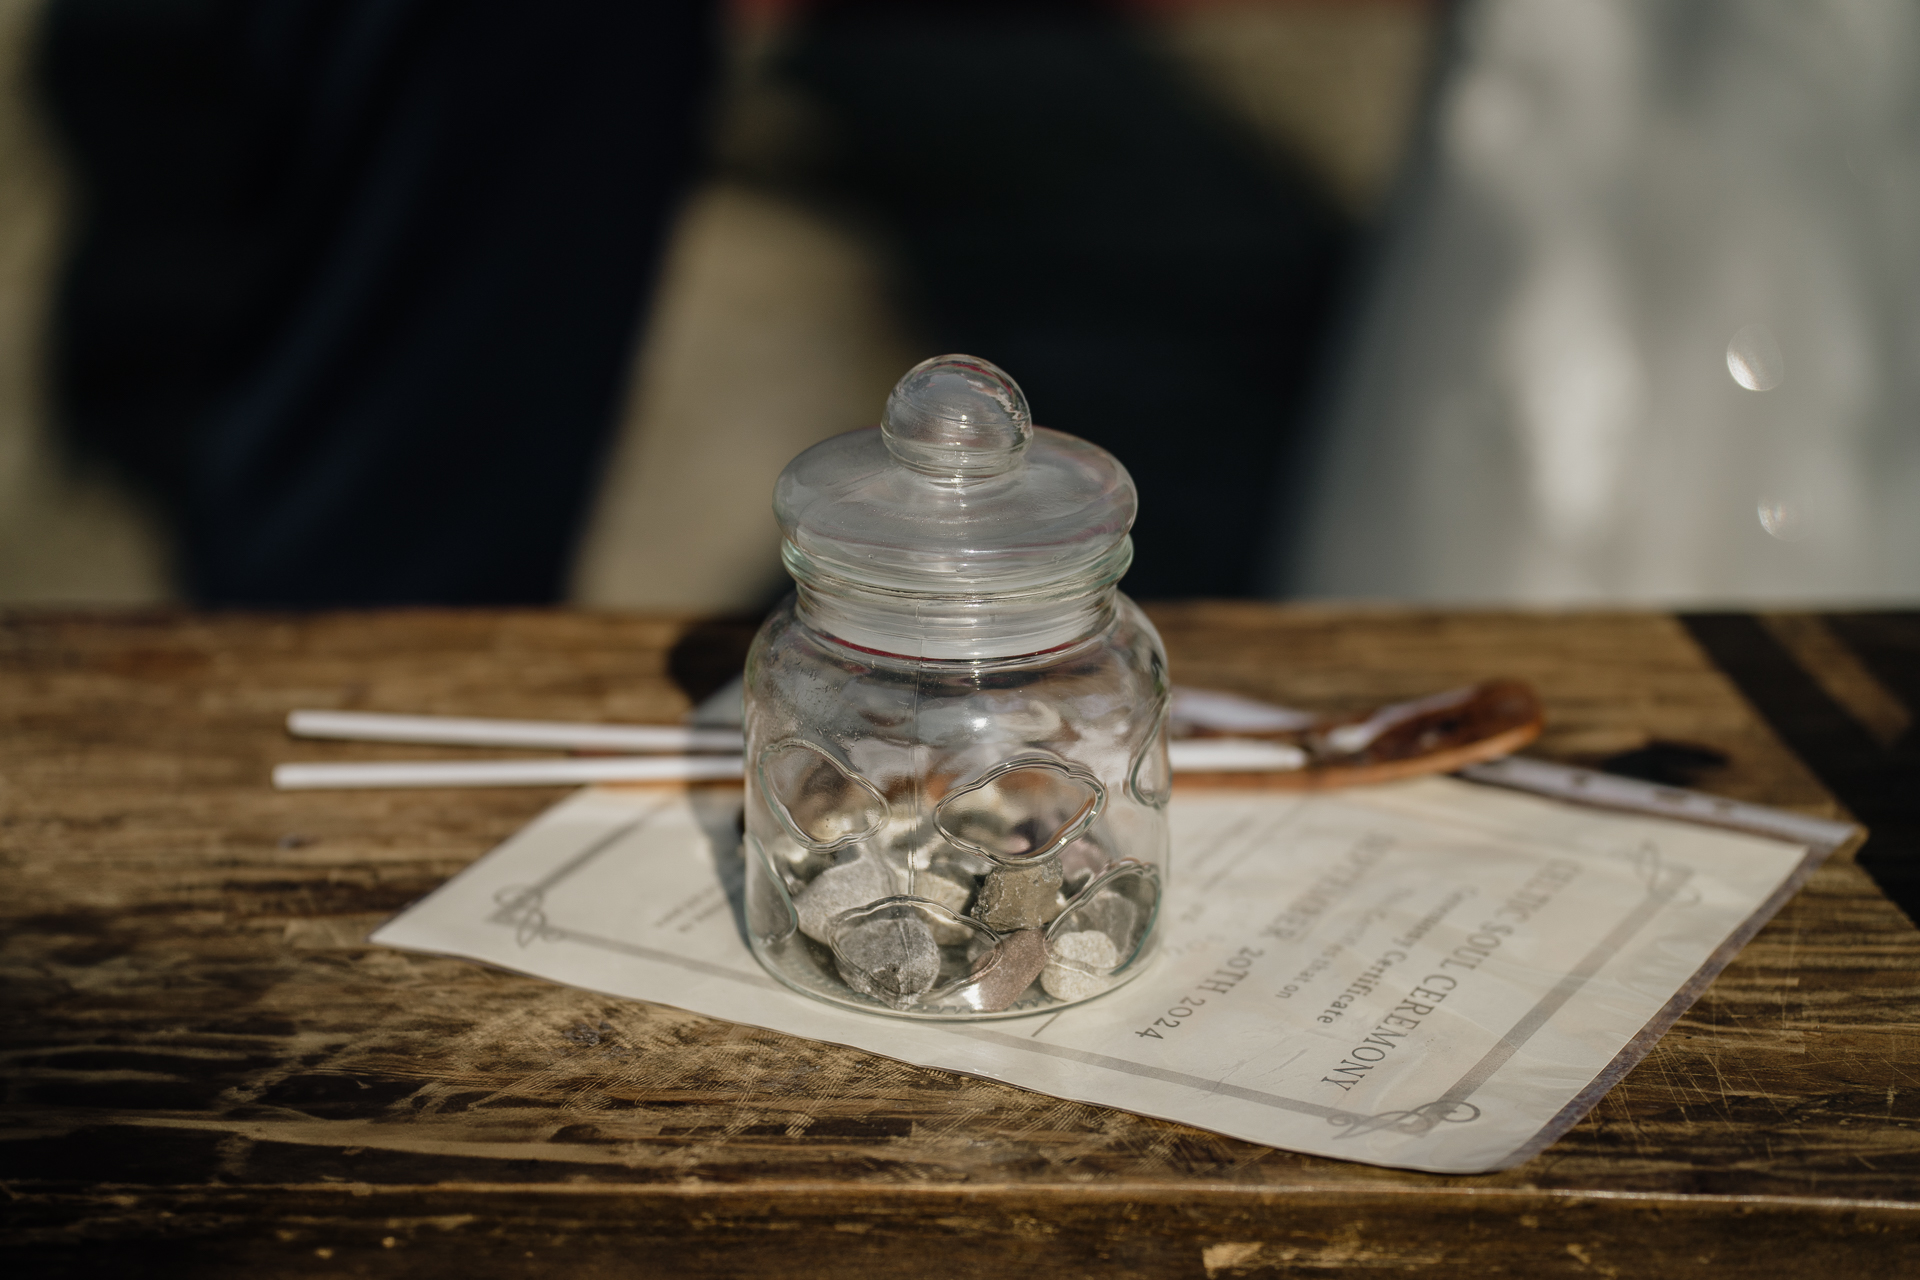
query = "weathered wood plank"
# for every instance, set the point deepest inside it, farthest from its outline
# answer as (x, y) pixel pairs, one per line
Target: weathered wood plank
(1124, 1232)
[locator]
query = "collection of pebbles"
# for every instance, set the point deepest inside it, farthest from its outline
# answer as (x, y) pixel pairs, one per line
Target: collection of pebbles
(1009, 888)
(974, 941)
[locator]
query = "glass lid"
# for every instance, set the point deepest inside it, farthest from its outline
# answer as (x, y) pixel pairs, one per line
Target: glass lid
(955, 493)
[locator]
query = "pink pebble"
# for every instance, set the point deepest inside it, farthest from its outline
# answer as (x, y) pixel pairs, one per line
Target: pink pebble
(1005, 972)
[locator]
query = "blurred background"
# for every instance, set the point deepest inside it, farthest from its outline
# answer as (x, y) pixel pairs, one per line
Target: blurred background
(1507, 301)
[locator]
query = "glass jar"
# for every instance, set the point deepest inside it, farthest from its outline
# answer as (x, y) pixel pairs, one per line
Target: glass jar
(957, 774)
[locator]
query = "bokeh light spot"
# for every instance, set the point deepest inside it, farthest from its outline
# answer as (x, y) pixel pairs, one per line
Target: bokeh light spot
(1782, 518)
(1754, 359)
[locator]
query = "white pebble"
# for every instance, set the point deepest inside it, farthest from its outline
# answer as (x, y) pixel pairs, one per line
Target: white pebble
(941, 890)
(949, 895)
(1079, 965)
(842, 888)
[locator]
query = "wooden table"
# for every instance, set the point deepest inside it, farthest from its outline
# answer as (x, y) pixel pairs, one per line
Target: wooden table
(210, 1072)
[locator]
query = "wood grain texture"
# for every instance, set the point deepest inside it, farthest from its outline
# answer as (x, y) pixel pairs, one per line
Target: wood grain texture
(209, 1072)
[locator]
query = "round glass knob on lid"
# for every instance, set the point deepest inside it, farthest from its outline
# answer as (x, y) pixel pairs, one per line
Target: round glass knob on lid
(957, 416)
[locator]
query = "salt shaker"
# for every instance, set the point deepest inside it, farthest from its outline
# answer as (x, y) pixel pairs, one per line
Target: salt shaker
(957, 774)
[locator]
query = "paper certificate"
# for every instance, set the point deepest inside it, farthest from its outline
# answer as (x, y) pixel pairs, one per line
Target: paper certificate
(1434, 975)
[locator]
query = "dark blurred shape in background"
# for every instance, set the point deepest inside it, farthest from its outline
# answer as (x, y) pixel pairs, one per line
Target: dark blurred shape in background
(1064, 204)
(353, 287)
(353, 282)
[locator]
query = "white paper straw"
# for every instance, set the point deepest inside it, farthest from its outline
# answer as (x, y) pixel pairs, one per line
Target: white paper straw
(504, 773)
(1234, 755)
(367, 726)
(1214, 755)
